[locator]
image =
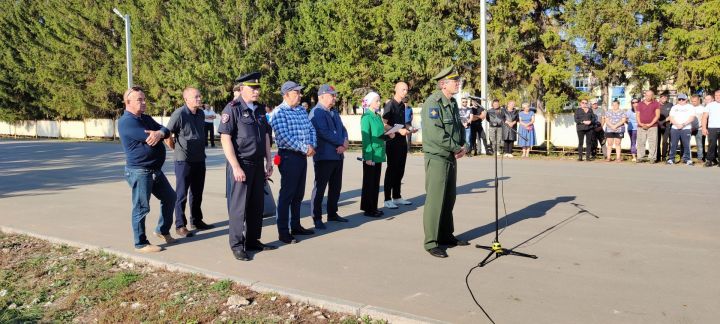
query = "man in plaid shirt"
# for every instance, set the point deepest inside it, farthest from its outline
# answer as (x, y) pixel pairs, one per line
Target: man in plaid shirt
(296, 141)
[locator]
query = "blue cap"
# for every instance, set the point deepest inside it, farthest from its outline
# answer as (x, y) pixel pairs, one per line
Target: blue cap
(289, 86)
(682, 96)
(326, 88)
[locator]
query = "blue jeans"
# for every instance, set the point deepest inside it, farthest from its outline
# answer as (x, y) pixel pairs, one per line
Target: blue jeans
(700, 144)
(468, 131)
(144, 182)
(684, 136)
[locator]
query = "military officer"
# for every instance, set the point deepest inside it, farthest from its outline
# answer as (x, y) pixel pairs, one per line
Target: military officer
(443, 143)
(245, 141)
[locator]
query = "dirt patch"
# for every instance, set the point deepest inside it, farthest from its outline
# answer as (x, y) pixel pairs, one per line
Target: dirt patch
(42, 282)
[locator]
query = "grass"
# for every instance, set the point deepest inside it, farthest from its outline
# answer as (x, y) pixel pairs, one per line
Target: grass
(41, 282)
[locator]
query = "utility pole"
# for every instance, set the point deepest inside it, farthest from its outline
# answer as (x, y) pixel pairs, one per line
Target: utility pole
(128, 51)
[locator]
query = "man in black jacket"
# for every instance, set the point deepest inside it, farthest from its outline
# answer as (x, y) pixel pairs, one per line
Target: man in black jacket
(664, 128)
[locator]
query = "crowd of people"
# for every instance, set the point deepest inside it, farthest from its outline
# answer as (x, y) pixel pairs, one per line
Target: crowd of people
(655, 128)
(449, 130)
(247, 129)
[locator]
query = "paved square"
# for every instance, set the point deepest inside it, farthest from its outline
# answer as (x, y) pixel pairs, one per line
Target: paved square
(616, 243)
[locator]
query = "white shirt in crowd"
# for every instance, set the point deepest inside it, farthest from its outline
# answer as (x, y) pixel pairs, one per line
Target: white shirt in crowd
(681, 114)
(699, 110)
(713, 110)
(209, 113)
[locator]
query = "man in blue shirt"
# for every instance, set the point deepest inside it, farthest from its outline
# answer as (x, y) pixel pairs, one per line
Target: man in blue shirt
(296, 141)
(187, 124)
(141, 137)
(332, 141)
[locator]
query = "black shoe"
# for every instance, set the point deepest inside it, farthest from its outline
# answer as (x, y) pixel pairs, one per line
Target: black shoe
(319, 224)
(456, 242)
(241, 255)
(259, 246)
(302, 231)
(288, 239)
(709, 164)
(438, 252)
(580, 159)
(201, 226)
(337, 218)
(376, 213)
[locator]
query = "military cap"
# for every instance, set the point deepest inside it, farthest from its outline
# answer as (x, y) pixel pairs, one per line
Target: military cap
(448, 73)
(251, 79)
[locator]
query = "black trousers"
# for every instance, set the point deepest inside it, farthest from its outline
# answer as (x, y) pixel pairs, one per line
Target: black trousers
(477, 133)
(585, 137)
(396, 152)
(327, 173)
(508, 148)
(210, 134)
(189, 185)
(293, 171)
(245, 204)
(598, 137)
(663, 142)
(713, 136)
(370, 187)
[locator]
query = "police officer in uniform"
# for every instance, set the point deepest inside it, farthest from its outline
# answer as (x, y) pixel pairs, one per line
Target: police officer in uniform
(443, 143)
(245, 141)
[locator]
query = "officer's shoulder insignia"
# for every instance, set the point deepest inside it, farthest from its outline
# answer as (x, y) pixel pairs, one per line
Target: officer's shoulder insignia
(434, 113)
(225, 118)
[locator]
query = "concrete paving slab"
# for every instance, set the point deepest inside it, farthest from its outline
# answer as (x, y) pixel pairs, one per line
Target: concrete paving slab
(617, 243)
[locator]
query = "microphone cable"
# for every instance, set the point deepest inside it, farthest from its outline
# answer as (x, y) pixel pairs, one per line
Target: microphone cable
(473, 295)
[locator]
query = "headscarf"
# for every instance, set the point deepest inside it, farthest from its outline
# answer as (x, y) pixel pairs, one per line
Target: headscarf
(370, 97)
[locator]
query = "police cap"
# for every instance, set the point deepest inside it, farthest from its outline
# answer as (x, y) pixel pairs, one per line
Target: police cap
(250, 79)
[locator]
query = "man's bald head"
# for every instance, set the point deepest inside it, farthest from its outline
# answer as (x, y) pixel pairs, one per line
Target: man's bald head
(192, 97)
(401, 90)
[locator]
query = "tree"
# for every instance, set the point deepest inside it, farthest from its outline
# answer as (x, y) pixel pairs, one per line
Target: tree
(688, 46)
(606, 34)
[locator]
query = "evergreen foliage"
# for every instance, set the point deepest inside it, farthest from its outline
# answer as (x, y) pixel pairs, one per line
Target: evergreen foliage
(66, 59)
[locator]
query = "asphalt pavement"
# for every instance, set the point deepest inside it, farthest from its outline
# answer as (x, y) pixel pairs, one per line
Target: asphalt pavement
(616, 243)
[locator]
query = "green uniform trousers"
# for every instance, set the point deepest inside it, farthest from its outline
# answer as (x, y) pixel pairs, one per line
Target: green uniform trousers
(440, 186)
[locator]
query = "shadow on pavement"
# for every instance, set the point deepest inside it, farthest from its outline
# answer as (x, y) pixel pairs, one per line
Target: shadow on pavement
(536, 210)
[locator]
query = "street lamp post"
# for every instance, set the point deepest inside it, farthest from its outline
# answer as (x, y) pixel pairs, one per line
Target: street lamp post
(128, 51)
(483, 55)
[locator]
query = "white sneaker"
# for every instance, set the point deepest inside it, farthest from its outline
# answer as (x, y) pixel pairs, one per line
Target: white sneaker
(390, 204)
(670, 162)
(508, 155)
(149, 249)
(689, 162)
(401, 201)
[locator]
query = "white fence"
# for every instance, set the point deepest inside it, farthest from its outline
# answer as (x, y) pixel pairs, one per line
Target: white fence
(562, 129)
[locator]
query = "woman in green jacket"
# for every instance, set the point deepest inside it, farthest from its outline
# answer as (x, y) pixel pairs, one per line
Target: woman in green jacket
(373, 151)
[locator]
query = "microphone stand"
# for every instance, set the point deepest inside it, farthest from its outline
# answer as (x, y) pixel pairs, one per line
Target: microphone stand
(496, 248)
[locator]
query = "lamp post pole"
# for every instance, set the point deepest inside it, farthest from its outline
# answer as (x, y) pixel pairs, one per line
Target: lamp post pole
(483, 55)
(128, 51)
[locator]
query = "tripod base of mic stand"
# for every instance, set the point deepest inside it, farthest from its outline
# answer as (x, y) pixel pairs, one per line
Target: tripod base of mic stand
(497, 250)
